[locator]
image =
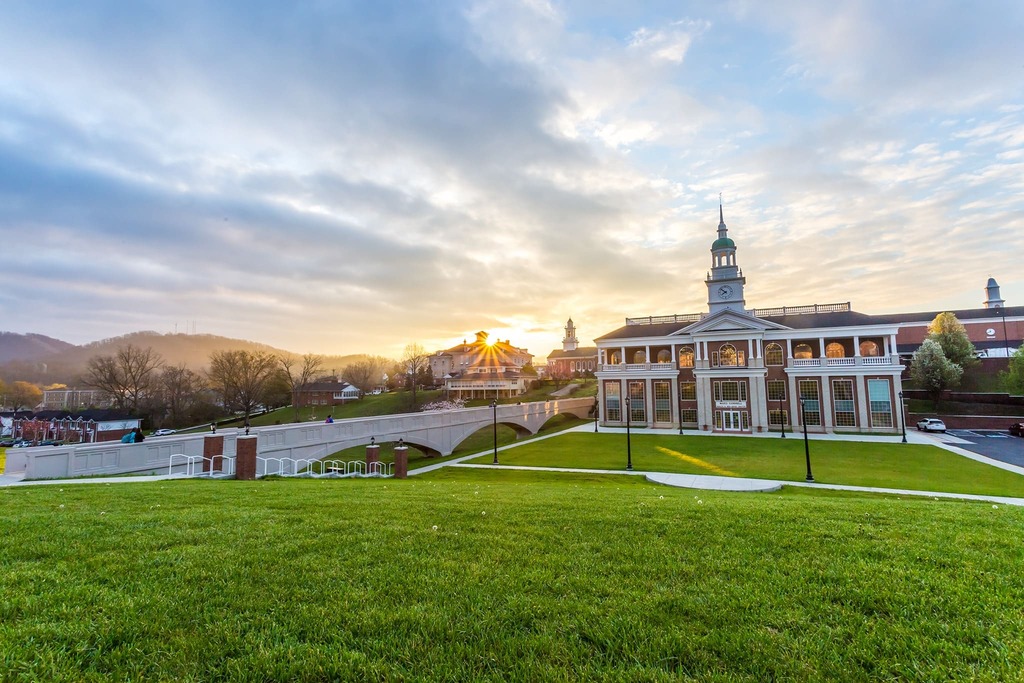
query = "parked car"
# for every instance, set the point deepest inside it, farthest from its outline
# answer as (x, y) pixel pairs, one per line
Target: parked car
(931, 424)
(6, 443)
(164, 432)
(1017, 429)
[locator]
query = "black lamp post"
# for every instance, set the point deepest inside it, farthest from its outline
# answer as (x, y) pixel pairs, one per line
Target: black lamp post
(494, 409)
(597, 413)
(807, 448)
(782, 416)
(680, 412)
(629, 452)
(903, 418)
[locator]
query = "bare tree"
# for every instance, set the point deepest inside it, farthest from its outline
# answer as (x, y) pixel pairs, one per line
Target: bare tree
(300, 375)
(414, 361)
(559, 374)
(241, 377)
(181, 389)
(24, 395)
(366, 374)
(127, 376)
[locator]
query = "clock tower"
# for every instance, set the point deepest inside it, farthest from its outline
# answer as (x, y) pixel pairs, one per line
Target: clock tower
(725, 281)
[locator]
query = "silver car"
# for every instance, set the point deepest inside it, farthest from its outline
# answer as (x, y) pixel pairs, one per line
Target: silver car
(931, 424)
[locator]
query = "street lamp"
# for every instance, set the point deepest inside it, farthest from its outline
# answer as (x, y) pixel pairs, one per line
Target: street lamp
(597, 413)
(903, 418)
(629, 453)
(494, 409)
(807, 448)
(680, 413)
(782, 416)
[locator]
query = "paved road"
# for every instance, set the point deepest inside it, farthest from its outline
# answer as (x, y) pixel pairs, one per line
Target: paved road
(998, 445)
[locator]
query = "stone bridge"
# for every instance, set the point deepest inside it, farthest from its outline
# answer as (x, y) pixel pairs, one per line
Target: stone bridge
(435, 432)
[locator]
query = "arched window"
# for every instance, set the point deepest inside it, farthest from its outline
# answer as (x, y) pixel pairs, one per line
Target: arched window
(727, 355)
(686, 357)
(773, 354)
(616, 359)
(834, 350)
(803, 351)
(869, 348)
(664, 356)
(639, 357)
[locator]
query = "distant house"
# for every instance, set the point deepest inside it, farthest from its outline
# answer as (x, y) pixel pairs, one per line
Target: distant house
(482, 369)
(87, 426)
(329, 391)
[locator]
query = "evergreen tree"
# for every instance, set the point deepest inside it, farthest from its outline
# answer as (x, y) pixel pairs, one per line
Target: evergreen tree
(952, 337)
(932, 371)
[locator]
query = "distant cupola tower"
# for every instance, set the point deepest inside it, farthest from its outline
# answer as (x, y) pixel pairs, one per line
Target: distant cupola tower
(725, 281)
(570, 343)
(992, 298)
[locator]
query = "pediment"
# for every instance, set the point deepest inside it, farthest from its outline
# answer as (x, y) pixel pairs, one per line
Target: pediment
(730, 321)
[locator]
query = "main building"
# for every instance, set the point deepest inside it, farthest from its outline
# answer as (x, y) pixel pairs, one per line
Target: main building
(735, 369)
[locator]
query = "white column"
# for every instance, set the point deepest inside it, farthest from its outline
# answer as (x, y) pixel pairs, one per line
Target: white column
(622, 350)
(856, 345)
(826, 403)
(647, 354)
(862, 402)
(821, 347)
(789, 349)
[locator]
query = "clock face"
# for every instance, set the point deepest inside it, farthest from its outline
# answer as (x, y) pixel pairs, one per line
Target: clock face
(725, 291)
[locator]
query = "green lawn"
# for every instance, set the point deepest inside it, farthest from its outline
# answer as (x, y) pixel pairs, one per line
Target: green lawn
(907, 466)
(502, 576)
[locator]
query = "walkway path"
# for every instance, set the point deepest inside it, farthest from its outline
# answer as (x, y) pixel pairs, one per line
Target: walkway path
(691, 481)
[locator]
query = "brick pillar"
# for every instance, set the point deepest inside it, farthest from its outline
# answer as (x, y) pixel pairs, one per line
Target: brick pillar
(213, 446)
(401, 462)
(372, 458)
(245, 458)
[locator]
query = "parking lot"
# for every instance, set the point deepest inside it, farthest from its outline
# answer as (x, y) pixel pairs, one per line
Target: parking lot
(998, 445)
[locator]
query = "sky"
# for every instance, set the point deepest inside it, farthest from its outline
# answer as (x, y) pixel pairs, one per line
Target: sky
(353, 177)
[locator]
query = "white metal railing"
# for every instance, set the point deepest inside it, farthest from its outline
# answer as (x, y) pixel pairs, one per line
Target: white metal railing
(303, 467)
(192, 461)
(841, 361)
(632, 367)
(805, 362)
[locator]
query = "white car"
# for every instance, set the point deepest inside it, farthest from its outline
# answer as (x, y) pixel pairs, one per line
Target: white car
(931, 424)
(164, 432)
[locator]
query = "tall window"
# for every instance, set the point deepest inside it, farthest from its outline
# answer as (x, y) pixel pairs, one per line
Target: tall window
(811, 405)
(615, 359)
(664, 356)
(688, 391)
(730, 391)
(778, 418)
(776, 390)
(662, 401)
(727, 355)
(803, 351)
(637, 409)
(686, 357)
(612, 406)
(834, 350)
(689, 415)
(845, 408)
(880, 403)
(639, 357)
(869, 348)
(773, 354)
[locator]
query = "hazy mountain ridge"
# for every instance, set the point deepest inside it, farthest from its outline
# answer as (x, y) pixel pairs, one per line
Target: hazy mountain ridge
(15, 346)
(41, 359)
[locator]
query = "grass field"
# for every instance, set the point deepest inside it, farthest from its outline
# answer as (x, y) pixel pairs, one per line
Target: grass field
(502, 575)
(906, 466)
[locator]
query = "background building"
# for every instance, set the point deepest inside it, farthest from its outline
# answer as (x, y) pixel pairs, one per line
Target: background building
(572, 359)
(482, 369)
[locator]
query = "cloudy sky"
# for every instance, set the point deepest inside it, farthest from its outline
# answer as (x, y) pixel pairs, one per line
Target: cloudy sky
(346, 177)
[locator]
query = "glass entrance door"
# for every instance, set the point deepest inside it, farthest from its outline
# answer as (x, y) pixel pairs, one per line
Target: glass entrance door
(731, 420)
